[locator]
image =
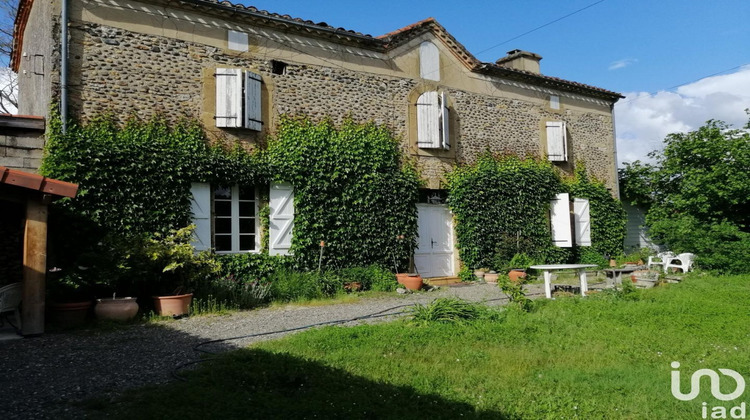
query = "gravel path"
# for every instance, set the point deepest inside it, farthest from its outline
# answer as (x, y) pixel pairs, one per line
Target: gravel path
(44, 377)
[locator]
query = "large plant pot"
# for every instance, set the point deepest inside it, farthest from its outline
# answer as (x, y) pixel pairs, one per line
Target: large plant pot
(173, 305)
(516, 275)
(116, 309)
(410, 281)
(491, 277)
(68, 315)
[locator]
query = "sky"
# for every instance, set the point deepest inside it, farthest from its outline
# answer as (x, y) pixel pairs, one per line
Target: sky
(658, 53)
(678, 62)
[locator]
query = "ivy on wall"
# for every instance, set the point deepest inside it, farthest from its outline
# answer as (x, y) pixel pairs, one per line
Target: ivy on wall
(351, 190)
(501, 205)
(608, 218)
(136, 179)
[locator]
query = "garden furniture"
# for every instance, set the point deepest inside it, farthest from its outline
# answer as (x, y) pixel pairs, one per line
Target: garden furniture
(682, 261)
(548, 268)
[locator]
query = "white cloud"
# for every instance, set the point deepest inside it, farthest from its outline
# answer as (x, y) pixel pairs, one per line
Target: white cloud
(643, 119)
(622, 63)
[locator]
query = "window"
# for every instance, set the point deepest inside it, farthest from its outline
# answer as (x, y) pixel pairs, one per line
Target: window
(557, 141)
(565, 228)
(554, 102)
(238, 99)
(235, 219)
(429, 61)
(278, 67)
(433, 118)
(237, 41)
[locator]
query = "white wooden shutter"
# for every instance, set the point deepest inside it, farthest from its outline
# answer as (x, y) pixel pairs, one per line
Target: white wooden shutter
(582, 221)
(429, 61)
(252, 101)
(560, 219)
(228, 97)
(557, 142)
(200, 206)
(428, 120)
(445, 117)
(237, 41)
(281, 223)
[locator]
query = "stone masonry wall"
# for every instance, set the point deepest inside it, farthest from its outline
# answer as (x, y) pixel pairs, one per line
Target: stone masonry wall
(124, 72)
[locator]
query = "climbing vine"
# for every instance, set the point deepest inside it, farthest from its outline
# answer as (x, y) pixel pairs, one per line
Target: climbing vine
(351, 190)
(501, 204)
(136, 178)
(608, 219)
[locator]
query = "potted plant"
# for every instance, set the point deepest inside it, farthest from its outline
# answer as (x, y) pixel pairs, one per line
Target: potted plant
(177, 269)
(69, 296)
(518, 266)
(410, 280)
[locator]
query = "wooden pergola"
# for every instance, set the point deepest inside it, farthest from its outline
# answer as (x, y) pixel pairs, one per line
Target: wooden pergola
(36, 193)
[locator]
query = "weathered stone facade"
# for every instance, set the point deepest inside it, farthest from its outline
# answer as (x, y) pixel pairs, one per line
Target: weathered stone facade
(123, 65)
(22, 151)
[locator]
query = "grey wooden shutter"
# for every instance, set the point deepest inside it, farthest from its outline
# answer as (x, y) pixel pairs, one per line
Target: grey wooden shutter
(200, 206)
(557, 147)
(429, 61)
(560, 220)
(281, 220)
(445, 117)
(428, 120)
(252, 101)
(582, 221)
(228, 97)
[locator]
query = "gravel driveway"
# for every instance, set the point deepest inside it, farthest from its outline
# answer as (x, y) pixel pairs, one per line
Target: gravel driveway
(44, 377)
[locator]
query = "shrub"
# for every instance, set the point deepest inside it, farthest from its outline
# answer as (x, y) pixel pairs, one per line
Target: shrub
(373, 277)
(449, 310)
(249, 267)
(290, 286)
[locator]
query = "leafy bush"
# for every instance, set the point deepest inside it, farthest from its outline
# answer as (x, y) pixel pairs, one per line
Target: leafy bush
(351, 190)
(589, 255)
(515, 293)
(449, 310)
(373, 277)
(608, 218)
(290, 286)
(250, 267)
(498, 200)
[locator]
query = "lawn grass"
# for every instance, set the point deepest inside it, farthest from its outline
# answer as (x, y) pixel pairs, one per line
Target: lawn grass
(599, 357)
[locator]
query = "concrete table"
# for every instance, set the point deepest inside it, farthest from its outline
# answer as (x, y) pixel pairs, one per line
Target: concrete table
(548, 268)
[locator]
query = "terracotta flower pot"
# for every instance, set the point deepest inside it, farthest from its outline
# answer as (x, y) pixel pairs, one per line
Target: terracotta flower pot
(173, 305)
(491, 277)
(68, 315)
(410, 281)
(116, 309)
(516, 275)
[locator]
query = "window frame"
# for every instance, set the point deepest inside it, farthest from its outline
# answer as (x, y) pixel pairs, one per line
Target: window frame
(235, 221)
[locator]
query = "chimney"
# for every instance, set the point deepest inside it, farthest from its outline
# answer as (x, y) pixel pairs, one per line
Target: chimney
(521, 60)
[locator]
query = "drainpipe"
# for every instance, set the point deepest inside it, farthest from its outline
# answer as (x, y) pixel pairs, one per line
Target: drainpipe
(614, 148)
(64, 66)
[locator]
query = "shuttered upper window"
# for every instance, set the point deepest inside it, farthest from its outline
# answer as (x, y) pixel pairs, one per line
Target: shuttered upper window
(433, 121)
(429, 61)
(557, 141)
(238, 99)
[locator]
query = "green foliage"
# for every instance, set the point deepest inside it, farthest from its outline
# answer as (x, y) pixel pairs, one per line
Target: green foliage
(136, 179)
(467, 275)
(515, 293)
(373, 277)
(589, 255)
(501, 205)
(250, 267)
(447, 310)
(608, 219)
(698, 201)
(351, 191)
(291, 286)
(521, 260)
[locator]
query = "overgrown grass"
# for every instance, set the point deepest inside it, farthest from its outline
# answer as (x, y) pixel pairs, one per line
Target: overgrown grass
(603, 357)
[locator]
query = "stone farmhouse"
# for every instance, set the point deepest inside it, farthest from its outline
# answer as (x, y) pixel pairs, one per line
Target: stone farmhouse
(237, 69)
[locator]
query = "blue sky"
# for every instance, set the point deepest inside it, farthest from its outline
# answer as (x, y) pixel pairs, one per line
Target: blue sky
(659, 53)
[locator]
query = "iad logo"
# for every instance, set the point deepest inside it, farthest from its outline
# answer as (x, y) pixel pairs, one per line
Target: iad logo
(718, 412)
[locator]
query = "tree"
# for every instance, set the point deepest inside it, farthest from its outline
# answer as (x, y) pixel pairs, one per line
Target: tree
(8, 79)
(697, 194)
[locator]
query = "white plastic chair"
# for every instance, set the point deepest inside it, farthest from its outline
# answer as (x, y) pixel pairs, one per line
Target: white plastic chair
(682, 261)
(10, 300)
(661, 259)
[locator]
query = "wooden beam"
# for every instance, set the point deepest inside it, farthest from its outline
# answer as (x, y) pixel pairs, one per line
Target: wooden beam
(34, 267)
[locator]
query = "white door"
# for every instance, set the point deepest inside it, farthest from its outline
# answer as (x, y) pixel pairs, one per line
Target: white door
(434, 255)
